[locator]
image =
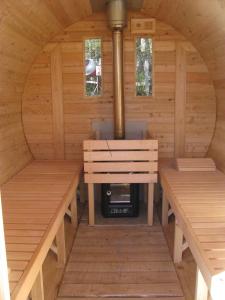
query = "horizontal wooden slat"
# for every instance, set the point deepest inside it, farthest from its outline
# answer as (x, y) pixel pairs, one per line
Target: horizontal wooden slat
(121, 156)
(120, 178)
(198, 202)
(120, 145)
(34, 204)
(121, 167)
(121, 262)
(195, 164)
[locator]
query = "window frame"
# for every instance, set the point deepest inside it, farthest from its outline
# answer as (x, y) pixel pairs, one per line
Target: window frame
(153, 65)
(84, 64)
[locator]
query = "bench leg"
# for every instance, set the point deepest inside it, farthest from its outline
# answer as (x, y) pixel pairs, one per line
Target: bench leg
(37, 291)
(82, 188)
(178, 244)
(165, 209)
(150, 203)
(73, 207)
(91, 204)
(61, 246)
(201, 289)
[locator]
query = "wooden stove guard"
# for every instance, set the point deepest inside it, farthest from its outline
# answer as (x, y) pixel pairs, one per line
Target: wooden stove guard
(120, 161)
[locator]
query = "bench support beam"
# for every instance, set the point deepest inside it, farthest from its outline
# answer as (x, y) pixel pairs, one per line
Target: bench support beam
(178, 244)
(61, 246)
(165, 209)
(150, 203)
(73, 208)
(37, 291)
(91, 204)
(201, 289)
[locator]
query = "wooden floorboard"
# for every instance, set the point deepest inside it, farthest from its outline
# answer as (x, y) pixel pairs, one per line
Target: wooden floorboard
(120, 262)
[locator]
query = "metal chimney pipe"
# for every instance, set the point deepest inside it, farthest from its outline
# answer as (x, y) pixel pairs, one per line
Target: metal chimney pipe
(119, 114)
(117, 21)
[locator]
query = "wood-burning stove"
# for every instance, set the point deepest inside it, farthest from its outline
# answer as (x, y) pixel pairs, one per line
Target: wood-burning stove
(120, 200)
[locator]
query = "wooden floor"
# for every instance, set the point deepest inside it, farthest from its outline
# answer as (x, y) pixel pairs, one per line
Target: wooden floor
(120, 262)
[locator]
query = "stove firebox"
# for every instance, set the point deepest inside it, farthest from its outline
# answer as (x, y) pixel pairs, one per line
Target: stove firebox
(120, 200)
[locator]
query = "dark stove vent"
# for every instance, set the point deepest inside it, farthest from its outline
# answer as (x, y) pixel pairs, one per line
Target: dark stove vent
(120, 200)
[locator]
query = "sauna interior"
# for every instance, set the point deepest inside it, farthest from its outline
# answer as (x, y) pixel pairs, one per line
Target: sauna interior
(112, 149)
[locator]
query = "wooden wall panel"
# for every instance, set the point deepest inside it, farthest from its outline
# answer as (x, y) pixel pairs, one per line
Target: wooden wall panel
(202, 22)
(57, 102)
(80, 111)
(26, 26)
(180, 101)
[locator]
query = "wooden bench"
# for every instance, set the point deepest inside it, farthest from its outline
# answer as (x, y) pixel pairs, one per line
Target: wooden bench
(197, 199)
(120, 161)
(34, 204)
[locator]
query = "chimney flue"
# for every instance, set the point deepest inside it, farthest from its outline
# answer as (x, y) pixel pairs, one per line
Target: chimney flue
(117, 21)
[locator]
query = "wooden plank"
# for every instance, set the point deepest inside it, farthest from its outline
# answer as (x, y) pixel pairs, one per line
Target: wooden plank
(200, 220)
(37, 291)
(57, 102)
(195, 164)
(61, 246)
(119, 290)
(150, 203)
(178, 243)
(121, 166)
(120, 145)
(121, 156)
(91, 204)
(138, 272)
(180, 101)
(80, 110)
(119, 298)
(73, 208)
(4, 280)
(120, 178)
(28, 239)
(201, 289)
(165, 209)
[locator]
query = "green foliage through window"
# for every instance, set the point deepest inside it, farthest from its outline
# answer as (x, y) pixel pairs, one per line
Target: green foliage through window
(93, 67)
(143, 66)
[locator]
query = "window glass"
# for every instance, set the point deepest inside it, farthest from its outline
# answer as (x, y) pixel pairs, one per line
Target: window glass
(93, 67)
(143, 66)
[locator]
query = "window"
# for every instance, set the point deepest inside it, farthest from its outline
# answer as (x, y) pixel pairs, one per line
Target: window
(93, 67)
(143, 66)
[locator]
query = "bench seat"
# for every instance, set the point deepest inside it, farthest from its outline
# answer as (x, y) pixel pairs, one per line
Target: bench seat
(34, 204)
(198, 202)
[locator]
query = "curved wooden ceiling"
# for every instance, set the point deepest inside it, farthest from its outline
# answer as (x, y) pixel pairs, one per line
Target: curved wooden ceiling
(26, 26)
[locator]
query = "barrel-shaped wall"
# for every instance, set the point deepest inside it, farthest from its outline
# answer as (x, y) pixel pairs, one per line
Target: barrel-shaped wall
(182, 108)
(26, 27)
(202, 22)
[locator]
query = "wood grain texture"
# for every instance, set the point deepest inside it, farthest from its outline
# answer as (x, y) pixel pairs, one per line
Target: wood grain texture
(101, 273)
(80, 111)
(197, 200)
(31, 225)
(195, 164)
(126, 156)
(26, 26)
(57, 102)
(25, 29)
(206, 33)
(180, 101)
